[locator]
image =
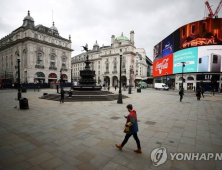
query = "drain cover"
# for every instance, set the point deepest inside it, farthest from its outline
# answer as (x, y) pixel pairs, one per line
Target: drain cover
(115, 118)
(150, 123)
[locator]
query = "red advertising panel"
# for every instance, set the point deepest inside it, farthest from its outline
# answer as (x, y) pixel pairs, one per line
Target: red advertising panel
(163, 66)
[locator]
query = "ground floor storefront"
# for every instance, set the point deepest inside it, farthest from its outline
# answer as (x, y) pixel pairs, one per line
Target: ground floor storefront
(192, 81)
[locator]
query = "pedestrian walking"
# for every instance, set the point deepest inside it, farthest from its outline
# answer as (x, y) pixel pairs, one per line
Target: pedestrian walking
(70, 94)
(181, 93)
(115, 87)
(198, 94)
(38, 87)
(108, 88)
(202, 91)
(131, 128)
(62, 95)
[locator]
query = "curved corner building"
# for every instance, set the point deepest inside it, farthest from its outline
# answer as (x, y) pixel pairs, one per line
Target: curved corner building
(199, 45)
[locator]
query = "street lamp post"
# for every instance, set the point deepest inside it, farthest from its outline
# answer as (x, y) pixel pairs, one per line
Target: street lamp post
(61, 78)
(19, 90)
(71, 78)
(183, 65)
(129, 92)
(120, 100)
(166, 77)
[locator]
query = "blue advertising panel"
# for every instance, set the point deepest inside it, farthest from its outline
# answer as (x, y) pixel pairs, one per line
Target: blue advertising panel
(167, 46)
(187, 55)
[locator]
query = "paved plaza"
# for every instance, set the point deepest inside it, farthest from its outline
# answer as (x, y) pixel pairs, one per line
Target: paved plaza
(82, 135)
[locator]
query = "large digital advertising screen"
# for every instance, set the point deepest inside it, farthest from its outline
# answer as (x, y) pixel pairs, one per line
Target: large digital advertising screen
(198, 44)
(189, 56)
(164, 66)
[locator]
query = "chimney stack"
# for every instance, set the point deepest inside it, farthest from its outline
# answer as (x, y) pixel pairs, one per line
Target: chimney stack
(132, 37)
(112, 39)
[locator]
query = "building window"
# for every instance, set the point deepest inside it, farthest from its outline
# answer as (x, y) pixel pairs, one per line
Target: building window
(44, 38)
(125, 49)
(36, 36)
(39, 59)
(52, 50)
(98, 66)
(53, 41)
(98, 72)
(66, 45)
(107, 60)
(6, 62)
(114, 67)
(123, 66)
(2, 63)
(25, 58)
(64, 62)
(99, 62)
(52, 61)
(11, 61)
(59, 42)
(107, 67)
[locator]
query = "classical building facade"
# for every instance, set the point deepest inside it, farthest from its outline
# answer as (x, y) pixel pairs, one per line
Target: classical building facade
(105, 61)
(44, 54)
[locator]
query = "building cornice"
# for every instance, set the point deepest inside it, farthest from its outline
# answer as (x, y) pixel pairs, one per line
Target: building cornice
(33, 40)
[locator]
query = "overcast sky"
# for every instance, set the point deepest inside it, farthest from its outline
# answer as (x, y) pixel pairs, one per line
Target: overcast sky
(90, 20)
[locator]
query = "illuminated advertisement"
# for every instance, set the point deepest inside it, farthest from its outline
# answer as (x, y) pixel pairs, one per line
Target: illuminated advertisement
(201, 33)
(163, 66)
(198, 44)
(167, 46)
(189, 56)
(209, 59)
(157, 51)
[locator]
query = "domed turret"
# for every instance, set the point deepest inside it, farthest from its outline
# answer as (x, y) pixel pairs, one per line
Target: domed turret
(28, 17)
(96, 46)
(122, 38)
(53, 27)
(28, 21)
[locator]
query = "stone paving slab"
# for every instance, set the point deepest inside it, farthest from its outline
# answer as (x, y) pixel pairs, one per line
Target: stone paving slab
(82, 135)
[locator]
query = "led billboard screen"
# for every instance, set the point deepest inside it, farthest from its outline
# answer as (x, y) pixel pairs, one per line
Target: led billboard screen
(163, 66)
(198, 44)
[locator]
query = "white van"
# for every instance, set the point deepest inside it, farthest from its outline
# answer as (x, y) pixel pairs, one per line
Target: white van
(161, 86)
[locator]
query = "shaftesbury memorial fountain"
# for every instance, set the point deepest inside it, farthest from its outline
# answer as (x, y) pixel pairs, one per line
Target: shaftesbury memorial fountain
(87, 81)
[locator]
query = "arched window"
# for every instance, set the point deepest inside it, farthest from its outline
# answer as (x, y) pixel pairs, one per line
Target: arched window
(63, 62)
(39, 59)
(189, 78)
(52, 61)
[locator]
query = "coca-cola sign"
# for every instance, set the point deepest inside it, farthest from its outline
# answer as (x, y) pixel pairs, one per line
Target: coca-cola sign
(164, 66)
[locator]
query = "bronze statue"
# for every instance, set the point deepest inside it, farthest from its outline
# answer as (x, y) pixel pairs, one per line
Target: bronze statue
(85, 47)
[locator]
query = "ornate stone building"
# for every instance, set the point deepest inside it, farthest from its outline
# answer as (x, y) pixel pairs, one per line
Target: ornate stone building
(105, 61)
(43, 53)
